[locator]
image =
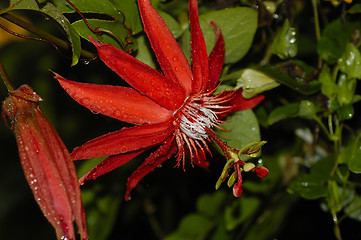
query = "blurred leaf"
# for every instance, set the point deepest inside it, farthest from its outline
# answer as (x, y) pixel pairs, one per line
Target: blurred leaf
(347, 89)
(192, 227)
(328, 87)
(284, 44)
(144, 53)
(345, 112)
(353, 210)
(240, 211)
(211, 204)
(254, 82)
(313, 185)
(238, 26)
(354, 153)
(350, 62)
(101, 212)
(307, 109)
(333, 40)
(355, 9)
(244, 129)
(283, 112)
(283, 76)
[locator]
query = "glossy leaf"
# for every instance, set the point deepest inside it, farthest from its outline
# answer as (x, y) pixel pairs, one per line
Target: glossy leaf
(333, 40)
(281, 74)
(244, 129)
(284, 44)
(238, 26)
(350, 62)
(254, 82)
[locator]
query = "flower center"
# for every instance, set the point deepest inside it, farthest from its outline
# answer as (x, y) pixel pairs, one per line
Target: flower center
(195, 117)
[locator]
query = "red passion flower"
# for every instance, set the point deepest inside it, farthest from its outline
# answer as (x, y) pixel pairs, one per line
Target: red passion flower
(173, 110)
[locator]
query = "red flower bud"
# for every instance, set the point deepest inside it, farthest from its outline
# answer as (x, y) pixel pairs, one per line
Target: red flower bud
(261, 172)
(47, 164)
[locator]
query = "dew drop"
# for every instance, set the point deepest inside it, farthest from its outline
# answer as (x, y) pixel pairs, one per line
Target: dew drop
(84, 101)
(123, 149)
(175, 58)
(117, 113)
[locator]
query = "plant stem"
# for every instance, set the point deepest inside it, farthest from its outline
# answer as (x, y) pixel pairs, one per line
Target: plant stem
(6, 78)
(317, 27)
(49, 37)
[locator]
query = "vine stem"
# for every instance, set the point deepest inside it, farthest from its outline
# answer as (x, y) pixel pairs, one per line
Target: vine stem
(49, 37)
(6, 78)
(317, 27)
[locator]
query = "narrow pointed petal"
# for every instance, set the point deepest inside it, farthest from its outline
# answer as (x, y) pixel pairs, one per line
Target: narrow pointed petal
(109, 164)
(169, 54)
(145, 79)
(123, 141)
(155, 160)
(239, 103)
(121, 103)
(199, 51)
(216, 59)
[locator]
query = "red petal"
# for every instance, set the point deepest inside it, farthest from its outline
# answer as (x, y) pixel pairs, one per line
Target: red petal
(163, 153)
(239, 103)
(122, 103)
(125, 140)
(169, 54)
(216, 59)
(199, 51)
(110, 164)
(145, 79)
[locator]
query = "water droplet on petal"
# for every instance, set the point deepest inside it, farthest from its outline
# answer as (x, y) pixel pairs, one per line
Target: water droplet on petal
(123, 149)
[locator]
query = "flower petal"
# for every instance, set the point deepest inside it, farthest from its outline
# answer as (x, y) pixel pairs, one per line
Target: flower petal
(125, 140)
(122, 103)
(163, 153)
(239, 103)
(216, 59)
(199, 51)
(109, 164)
(142, 77)
(169, 54)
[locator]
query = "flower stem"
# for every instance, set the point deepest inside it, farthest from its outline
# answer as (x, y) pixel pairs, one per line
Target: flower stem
(6, 78)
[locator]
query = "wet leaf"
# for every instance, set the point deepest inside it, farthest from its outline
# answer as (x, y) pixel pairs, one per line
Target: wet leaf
(350, 62)
(328, 87)
(254, 82)
(333, 40)
(285, 43)
(298, 83)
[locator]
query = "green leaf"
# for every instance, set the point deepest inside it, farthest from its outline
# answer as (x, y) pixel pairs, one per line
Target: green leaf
(192, 227)
(101, 212)
(354, 162)
(244, 129)
(345, 112)
(355, 9)
(283, 112)
(254, 82)
(238, 26)
(172, 24)
(347, 89)
(328, 87)
(314, 185)
(240, 211)
(281, 75)
(333, 40)
(307, 109)
(350, 62)
(284, 44)
(353, 210)
(52, 12)
(211, 204)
